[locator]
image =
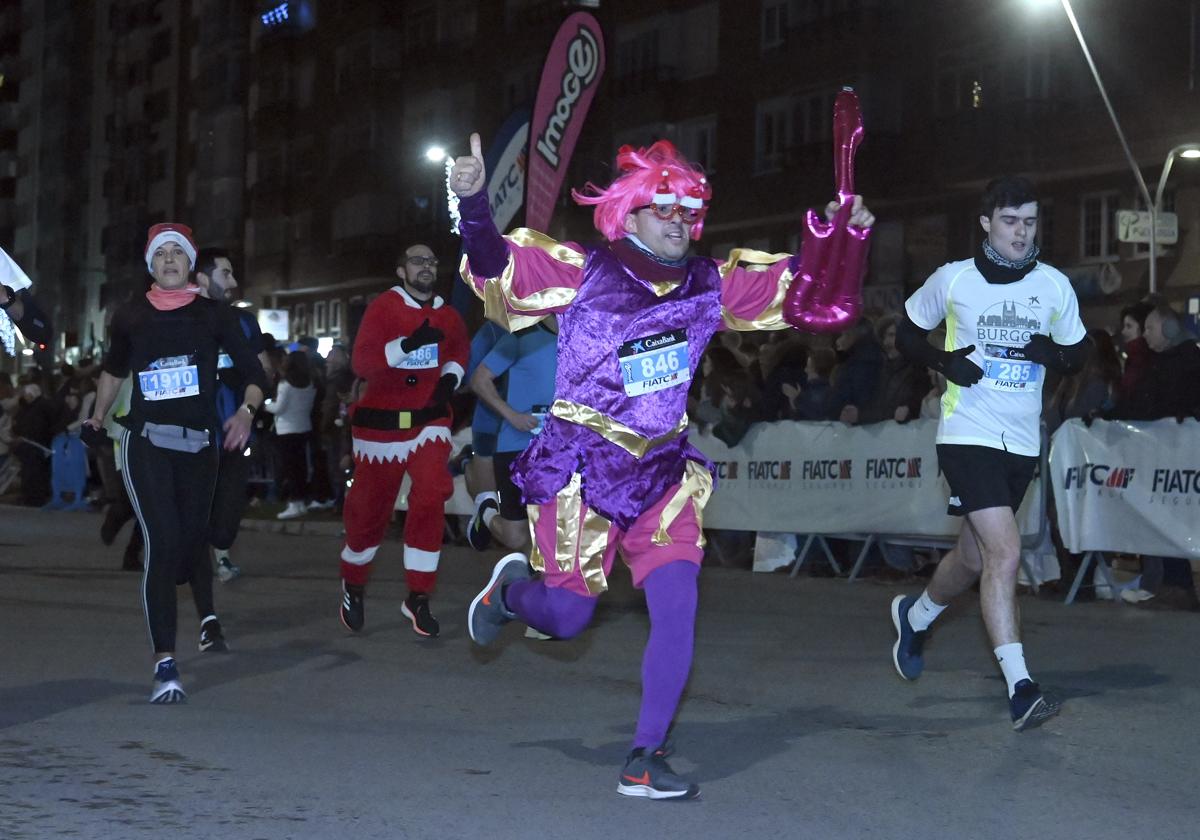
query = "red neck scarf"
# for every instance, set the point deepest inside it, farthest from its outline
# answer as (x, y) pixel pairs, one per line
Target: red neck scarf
(167, 299)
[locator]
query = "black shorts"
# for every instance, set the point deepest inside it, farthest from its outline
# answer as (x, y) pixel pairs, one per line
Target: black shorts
(511, 506)
(981, 477)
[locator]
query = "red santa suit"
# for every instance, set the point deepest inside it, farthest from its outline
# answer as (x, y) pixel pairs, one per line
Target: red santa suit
(400, 426)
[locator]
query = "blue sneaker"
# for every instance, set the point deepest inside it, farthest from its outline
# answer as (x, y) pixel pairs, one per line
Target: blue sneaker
(647, 774)
(488, 612)
(906, 653)
(1030, 708)
(166, 684)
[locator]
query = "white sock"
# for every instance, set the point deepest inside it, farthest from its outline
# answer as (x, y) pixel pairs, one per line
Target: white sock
(222, 555)
(923, 612)
(480, 498)
(1012, 662)
(488, 515)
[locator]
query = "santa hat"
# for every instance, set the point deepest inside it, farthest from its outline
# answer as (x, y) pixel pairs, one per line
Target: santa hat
(170, 232)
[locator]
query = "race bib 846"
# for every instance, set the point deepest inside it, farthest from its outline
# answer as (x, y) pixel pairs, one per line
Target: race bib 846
(655, 362)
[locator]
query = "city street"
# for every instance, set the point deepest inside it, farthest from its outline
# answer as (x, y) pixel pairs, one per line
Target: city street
(794, 724)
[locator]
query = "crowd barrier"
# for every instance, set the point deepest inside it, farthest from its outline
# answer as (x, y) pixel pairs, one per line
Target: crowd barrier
(877, 484)
(1126, 487)
(1118, 487)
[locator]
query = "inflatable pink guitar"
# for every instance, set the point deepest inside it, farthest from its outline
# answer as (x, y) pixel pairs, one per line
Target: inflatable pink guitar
(826, 294)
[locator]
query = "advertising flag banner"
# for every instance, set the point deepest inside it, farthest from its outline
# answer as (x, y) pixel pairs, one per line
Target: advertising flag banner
(506, 162)
(572, 73)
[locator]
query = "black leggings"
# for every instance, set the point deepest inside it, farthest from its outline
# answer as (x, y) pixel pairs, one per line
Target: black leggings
(171, 493)
(229, 500)
(293, 466)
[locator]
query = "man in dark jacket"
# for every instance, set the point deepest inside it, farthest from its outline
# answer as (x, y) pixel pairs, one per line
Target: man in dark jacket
(33, 428)
(1170, 384)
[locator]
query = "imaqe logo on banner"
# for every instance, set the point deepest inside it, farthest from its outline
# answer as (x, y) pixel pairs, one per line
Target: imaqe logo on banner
(1175, 487)
(1104, 478)
(889, 473)
(583, 60)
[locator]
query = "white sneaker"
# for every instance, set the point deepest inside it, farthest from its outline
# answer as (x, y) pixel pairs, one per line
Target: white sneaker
(532, 633)
(293, 510)
(1135, 596)
(327, 505)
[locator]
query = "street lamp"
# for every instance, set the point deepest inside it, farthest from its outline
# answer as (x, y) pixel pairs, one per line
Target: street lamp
(1187, 151)
(1137, 173)
(435, 154)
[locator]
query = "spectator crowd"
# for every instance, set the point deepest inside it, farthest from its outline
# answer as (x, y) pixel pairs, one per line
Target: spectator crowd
(302, 452)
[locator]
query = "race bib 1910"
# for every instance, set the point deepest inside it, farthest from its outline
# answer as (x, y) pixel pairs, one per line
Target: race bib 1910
(422, 358)
(1006, 368)
(655, 362)
(170, 378)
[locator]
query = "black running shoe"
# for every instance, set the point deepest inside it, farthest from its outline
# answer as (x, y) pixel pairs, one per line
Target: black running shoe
(478, 534)
(649, 775)
(166, 684)
(1030, 708)
(131, 561)
(352, 611)
(211, 637)
(416, 609)
(109, 527)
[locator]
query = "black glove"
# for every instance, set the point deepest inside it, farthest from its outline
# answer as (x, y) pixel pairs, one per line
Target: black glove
(1042, 350)
(444, 389)
(960, 370)
(421, 336)
(93, 438)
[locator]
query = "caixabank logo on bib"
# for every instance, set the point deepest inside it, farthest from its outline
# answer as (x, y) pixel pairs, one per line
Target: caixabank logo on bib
(1175, 487)
(1009, 322)
(827, 474)
(901, 472)
(1104, 479)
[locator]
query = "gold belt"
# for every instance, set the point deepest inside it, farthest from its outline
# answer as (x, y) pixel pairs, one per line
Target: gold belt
(612, 430)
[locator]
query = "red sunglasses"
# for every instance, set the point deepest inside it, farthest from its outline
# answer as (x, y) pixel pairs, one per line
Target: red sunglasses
(665, 212)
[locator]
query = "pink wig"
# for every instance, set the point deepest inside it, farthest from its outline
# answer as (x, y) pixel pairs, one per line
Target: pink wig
(641, 176)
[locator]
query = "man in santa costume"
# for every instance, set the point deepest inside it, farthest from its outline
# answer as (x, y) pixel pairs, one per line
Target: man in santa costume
(411, 349)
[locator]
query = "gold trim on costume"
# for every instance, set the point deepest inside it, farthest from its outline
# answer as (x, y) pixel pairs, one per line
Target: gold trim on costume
(612, 430)
(696, 487)
(497, 294)
(771, 318)
(593, 543)
(536, 560)
(581, 536)
(567, 510)
(665, 287)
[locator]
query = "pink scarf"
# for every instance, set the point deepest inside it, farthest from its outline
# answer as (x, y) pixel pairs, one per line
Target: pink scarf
(167, 299)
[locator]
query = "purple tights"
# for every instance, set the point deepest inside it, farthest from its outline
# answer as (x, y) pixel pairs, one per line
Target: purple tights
(671, 599)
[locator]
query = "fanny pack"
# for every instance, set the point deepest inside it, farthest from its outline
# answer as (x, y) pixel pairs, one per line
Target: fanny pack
(176, 438)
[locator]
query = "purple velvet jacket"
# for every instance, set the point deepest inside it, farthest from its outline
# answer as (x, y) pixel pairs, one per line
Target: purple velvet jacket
(606, 295)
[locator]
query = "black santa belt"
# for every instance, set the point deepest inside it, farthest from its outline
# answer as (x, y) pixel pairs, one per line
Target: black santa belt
(389, 420)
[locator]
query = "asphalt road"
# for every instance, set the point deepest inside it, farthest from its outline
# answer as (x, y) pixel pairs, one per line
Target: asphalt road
(794, 723)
